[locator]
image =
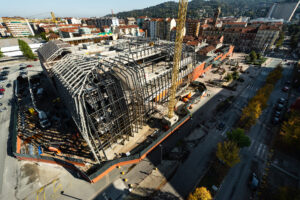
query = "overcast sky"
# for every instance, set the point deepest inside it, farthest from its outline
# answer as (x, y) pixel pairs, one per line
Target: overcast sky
(70, 8)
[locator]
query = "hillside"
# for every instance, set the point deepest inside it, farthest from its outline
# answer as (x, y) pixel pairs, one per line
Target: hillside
(205, 8)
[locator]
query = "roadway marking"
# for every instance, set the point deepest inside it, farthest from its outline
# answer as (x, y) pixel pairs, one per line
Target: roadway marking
(259, 149)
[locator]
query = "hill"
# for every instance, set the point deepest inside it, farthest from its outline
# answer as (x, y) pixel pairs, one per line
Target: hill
(205, 8)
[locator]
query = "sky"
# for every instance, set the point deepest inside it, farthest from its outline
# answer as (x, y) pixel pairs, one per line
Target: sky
(70, 8)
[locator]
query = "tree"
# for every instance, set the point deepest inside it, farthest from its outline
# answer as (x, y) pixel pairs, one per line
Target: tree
(259, 56)
(253, 56)
(239, 137)
(228, 152)
(43, 36)
(235, 75)
(1, 54)
(27, 52)
(287, 193)
(200, 194)
(290, 131)
(228, 77)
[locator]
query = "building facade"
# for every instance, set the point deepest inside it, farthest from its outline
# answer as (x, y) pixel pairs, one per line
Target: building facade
(18, 26)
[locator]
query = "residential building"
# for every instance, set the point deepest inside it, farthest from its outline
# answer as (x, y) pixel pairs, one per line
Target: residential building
(192, 27)
(18, 26)
(173, 34)
(246, 37)
(132, 30)
(140, 21)
(103, 21)
(130, 21)
(266, 37)
(72, 20)
(169, 25)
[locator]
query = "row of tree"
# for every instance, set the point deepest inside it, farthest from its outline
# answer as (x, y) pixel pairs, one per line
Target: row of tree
(253, 56)
(232, 76)
(280, 39)
(259, 102)
(1, 54)
(26, 50)
(227, 153)
(290, 132)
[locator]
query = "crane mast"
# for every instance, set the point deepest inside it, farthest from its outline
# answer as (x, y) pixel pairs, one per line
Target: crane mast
(177, 55)
(53, 18)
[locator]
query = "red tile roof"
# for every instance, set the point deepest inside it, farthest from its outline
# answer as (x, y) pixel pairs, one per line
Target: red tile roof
(207, 49)
(128, 26)
(157, 19)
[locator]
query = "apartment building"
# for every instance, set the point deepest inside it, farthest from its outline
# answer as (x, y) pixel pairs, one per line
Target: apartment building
(257, 36)
(266, 37)
(130, 21)
(132, 30)
(161, 28)
(103, 21)
(18, 26)
(192, 27)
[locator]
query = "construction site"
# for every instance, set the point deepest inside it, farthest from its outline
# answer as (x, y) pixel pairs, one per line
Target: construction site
(109, 100)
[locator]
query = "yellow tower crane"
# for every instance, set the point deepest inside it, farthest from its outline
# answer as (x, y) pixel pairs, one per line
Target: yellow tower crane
(177, 54)
(53, 18)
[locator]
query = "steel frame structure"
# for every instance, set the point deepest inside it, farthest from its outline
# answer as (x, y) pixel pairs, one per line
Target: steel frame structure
(110, 99)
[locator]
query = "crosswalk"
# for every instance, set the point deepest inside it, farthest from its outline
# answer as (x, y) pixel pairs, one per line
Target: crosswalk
(258, 149)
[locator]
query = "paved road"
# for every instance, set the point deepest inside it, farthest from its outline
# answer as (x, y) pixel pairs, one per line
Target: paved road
(8, 165)
(235, 186)
(189, 173)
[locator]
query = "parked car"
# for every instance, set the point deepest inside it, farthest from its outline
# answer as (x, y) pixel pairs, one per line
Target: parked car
(3, 78)
(275, 120)
(221, 126)
(253, 181)
(285, 89)
(277, 114)
(279, 107)
(8, 85)
(2, 89)
(21, 68)
(5, 68)
(1, 95)
(4, 73)
(29, 66)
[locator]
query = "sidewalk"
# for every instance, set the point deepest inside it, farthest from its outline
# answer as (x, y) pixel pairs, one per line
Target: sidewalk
(155, 181)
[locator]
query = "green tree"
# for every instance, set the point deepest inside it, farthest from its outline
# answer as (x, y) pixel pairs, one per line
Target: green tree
(1, 54)
(253, 56)
(228, 77)
(228, 152)
(239, 137)
(200, 194)
(26, 50)
(235, 75)
(43, 36)
(259, 56)
(290, 131)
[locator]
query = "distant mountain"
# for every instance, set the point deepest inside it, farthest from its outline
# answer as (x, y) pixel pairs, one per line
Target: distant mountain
(205, 8)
